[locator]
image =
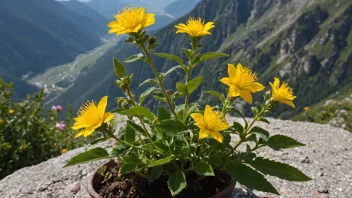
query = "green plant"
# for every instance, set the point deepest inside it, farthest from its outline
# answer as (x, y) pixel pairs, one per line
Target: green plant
(175, 142)
(27, 137)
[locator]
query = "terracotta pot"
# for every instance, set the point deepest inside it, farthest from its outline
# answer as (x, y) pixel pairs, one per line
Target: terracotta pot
(94, 183)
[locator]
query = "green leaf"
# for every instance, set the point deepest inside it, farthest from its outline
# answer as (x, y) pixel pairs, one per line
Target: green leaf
(189, 53)
(238, 127)
(119, 69)
(278, 169)
(136, 127)
(163, 114)
(203, 168)
(177, 182)
(181, 88)
(101, 139)
(161, 161)
(172, 126)
(88, 156)
(156, 171)
(264, 120)
(134, 58)
(217, 94)
(138, 111)
(130, 135)
(171, 70)
(211, 55)
(255, 111)
(216, 160)
(249, 177)
(149, 80)
(277, 142)
(127, 168)
(264, 134)
(145, 94)
(192, 85)
(171, 57)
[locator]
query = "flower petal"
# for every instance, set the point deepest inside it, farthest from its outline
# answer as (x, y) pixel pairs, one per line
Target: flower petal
(199, 119)
(220, 125)
(246, 96)
(276, 84)
(102, 106)
(216, 135)
(288, 102)
(226, 81)
(255, 87)
(231, 70)
(234, 91)
(107, 117)
(203, 133)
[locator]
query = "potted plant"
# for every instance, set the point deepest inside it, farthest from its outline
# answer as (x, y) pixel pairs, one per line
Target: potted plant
(182, 149)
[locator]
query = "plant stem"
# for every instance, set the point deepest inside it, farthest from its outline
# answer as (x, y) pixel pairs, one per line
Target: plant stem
(188, 74)
(160, 82)
(140, 118)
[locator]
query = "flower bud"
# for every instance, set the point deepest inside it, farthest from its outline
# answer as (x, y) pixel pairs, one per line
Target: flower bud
(169, 92)
(152, 40)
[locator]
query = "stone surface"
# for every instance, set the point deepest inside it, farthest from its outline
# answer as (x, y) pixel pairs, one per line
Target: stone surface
(328, 151)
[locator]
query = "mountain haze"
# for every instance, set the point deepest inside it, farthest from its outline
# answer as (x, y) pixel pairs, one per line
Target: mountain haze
(305, 43)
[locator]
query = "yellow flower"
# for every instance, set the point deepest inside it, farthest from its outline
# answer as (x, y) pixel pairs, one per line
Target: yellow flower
(90, 117)
(64, 150)
(242, 82)
(195, 27)
(131, 20)
(211, 123)
(283, 93)
(1, 121)
(306, 108)
(11, 111)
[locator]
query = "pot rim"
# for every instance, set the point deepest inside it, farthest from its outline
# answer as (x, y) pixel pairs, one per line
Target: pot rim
(92, 182)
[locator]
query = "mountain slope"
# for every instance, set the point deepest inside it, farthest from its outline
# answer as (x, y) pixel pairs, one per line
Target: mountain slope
(305, 43)
(180, 7)
(40, 33)
(82, 9)
(109, 8)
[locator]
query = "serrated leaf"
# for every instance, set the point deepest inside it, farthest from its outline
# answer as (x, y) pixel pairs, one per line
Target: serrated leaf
(189, 53)
(161, 161)
(156, 171)
(264, 134)
(119, 69)
(211, 55)
(138, 111)
(134, 58)
(177, 182)
(172, 126)
(130, 135)
(249, 177)
(217, 94)
(171, 57)
(277, 142)
(88, 156)
(181, 88)
(171, 70)
(278, 169)
(145, 94)
(127, 168)
(149, 80)
(136, 127)
(192, 85)
(203, 168)
(163, 114)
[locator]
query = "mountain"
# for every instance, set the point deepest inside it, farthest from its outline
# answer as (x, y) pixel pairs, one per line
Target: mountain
(37, 34)
(109, 8)
(180, 7)
(305, 43)
(82, 9)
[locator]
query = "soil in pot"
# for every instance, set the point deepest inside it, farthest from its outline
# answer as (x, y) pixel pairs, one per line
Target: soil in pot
(134, 186)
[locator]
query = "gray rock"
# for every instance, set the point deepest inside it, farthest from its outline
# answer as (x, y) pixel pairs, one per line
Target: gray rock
(330, 145)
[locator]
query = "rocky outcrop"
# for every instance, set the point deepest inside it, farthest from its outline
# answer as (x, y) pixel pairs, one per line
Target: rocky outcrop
(326, 158)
